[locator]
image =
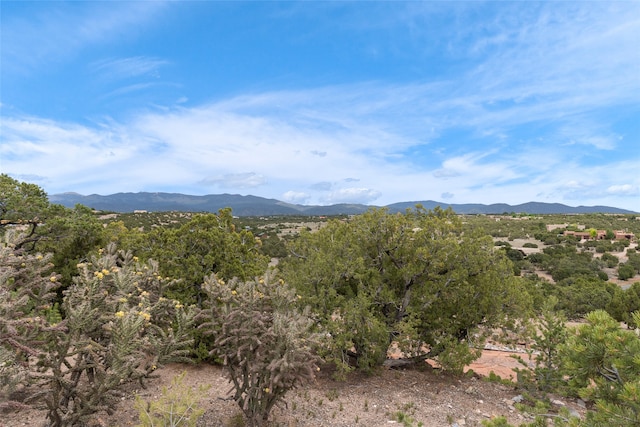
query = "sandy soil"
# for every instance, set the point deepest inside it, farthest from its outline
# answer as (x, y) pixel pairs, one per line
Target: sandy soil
(425, 396)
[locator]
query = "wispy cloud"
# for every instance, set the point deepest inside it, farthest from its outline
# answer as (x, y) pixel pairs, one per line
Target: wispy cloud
(57, 31)
(122, 68)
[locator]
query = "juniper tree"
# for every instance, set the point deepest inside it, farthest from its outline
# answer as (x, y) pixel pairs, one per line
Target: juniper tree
(418, 279)
(204, 245)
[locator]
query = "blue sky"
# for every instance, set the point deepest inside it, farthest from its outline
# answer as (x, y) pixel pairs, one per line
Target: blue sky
(326, 102)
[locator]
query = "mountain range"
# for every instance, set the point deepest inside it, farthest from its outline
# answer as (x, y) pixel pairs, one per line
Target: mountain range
(260, 206)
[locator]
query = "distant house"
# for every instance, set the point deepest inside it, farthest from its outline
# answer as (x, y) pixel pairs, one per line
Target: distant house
(600, 235)
(622, 235)
(140, 211)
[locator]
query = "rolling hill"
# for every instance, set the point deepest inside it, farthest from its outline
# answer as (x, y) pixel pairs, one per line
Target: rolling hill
(260, 206)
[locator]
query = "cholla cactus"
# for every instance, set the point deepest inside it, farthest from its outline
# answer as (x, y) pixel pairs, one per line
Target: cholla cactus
(117, 327)
(263, 340)
(27, 291)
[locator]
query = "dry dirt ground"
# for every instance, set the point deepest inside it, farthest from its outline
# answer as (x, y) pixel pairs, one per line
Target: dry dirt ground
(391, 397)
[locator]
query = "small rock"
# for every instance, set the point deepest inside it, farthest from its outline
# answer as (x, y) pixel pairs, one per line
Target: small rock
(461, 422)
(517, 398)
(558, 402)
(469, 390)
(480, 401)
(581, 403)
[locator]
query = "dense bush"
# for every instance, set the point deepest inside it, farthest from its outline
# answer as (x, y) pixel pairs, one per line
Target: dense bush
(624, 303)
(610, 260)
(626, 271)
(415, 278)
(204, 245)
(578, 296)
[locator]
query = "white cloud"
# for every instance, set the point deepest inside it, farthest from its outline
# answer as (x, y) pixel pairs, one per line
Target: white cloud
(352, 195)
(267, 156)
(296, 197)
(236, 180)
(624, 189)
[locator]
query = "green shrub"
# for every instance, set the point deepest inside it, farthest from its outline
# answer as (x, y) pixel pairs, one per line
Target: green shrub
(610, 260)
(418, 278)
(176, 407)
(626, 271)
